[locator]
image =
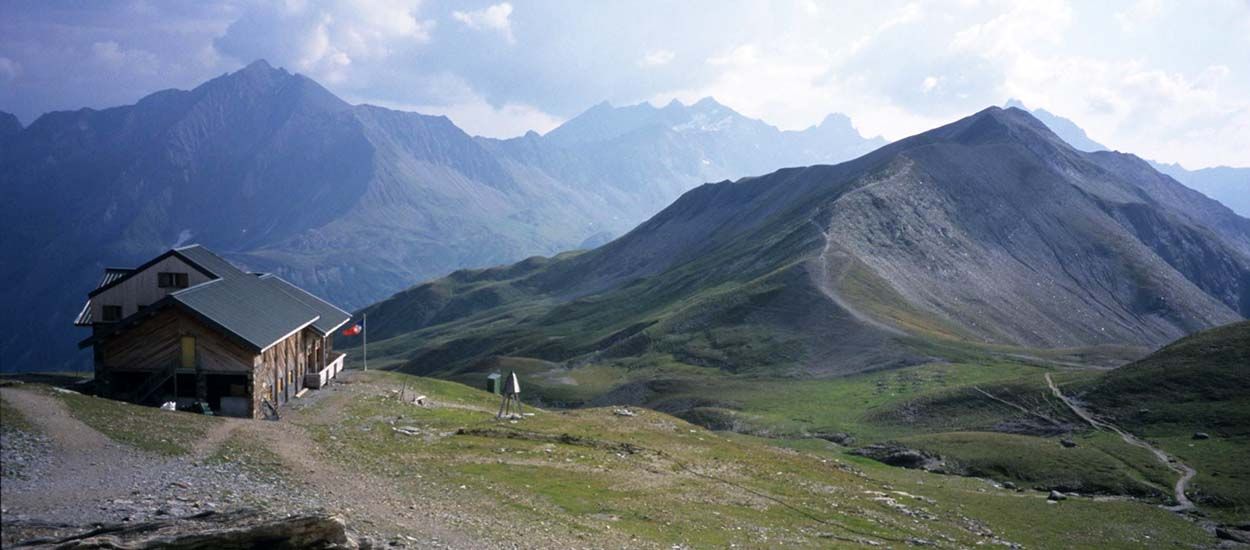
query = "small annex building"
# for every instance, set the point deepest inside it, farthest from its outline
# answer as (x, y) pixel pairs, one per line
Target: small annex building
(188, 326)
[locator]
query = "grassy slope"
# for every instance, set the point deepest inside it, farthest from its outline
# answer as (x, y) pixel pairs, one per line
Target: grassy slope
(147, 428)
(658, 480)
(920, 403)
(1201, 383)
(654, 480)
(1100, 464)
(935, 407)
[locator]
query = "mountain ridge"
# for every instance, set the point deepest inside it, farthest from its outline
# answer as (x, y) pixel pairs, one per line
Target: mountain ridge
(1229, 185)
(277, 173)
(989, 230)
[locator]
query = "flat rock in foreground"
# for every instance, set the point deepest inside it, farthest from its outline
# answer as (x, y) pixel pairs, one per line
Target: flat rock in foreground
(243, 528)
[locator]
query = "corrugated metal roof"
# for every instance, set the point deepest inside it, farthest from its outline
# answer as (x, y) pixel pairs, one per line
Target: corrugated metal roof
(84, 316)
(212, 263)
(331, 317)
(247, 307)
(112, 274)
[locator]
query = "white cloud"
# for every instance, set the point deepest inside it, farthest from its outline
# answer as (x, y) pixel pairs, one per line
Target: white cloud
(1140, 13)
(1022, 28)
(985, 55)
(896, 67)
(910, 13)
(656, 58)
(495, 18)
(325, 39)
(793, 85)
(9, 69)
(113, 55)
(452, 97)
(1158, 114)
(929, 83)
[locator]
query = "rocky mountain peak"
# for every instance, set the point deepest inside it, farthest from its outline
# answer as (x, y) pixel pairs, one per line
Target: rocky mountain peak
(259, 82)
(1067, 130)
(9, 124)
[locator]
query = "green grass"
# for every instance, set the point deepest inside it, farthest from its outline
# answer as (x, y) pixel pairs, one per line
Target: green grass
(11, 419)
(655, 480)
(1200, 383)
(1101, 463)
(1222, 486)
(148, 428)
(680, 484)
(938, 407)
(855, 404)
(1028, 519)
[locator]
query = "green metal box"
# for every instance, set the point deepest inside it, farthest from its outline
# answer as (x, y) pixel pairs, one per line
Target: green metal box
(494, 383)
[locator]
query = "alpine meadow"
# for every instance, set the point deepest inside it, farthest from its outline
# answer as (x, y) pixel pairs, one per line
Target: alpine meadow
(401, 274)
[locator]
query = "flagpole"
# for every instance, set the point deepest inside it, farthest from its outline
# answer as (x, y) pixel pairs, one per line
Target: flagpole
(365, 322)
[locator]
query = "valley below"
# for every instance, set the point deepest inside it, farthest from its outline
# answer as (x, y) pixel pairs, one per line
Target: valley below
(940, 454)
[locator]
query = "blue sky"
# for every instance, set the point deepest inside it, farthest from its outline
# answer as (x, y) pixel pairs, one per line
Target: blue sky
(1166, 80)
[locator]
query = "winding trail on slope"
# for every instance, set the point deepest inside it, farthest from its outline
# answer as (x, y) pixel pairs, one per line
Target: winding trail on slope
(829, 288)
(1187, 473)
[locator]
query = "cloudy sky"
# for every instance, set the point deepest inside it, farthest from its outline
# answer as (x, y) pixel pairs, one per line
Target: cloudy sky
(1168, 80)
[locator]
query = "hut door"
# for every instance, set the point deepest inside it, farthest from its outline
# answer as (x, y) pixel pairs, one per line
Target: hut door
(188, 352)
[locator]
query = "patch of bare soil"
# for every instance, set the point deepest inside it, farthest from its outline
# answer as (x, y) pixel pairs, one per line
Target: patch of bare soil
(85, 479)
(81, 477)
(423, 514)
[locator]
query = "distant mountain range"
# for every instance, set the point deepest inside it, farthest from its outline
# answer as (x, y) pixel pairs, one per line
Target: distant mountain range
(1228, 185)
(353, 202)
(988, 231)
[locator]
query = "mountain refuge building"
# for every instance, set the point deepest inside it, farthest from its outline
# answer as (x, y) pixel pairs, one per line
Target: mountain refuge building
(190, 327)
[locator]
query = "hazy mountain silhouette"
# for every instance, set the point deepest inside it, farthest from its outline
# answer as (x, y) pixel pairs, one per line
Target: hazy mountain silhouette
(352, 202)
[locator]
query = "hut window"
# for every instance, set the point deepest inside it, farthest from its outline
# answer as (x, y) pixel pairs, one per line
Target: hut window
(171, 280)
(111, 313)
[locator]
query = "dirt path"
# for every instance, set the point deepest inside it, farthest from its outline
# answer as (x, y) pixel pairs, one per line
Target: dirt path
(1019, 407)
(367, 498)
(83, 464)
(829, 281)
(83, 476)
(51, 418)
(214, 438)
(87, 477)
(1187, 473)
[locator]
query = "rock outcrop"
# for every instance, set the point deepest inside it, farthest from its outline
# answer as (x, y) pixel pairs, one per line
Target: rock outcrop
(244, 528)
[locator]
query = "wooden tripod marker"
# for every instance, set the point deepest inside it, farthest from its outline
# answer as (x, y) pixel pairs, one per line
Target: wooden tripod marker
(510, 406)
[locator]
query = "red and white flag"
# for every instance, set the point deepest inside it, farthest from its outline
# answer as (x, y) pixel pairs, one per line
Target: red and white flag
(353, 330)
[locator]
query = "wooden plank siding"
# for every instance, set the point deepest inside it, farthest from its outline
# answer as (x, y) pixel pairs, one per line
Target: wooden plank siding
(154, 345)
(141, 288)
